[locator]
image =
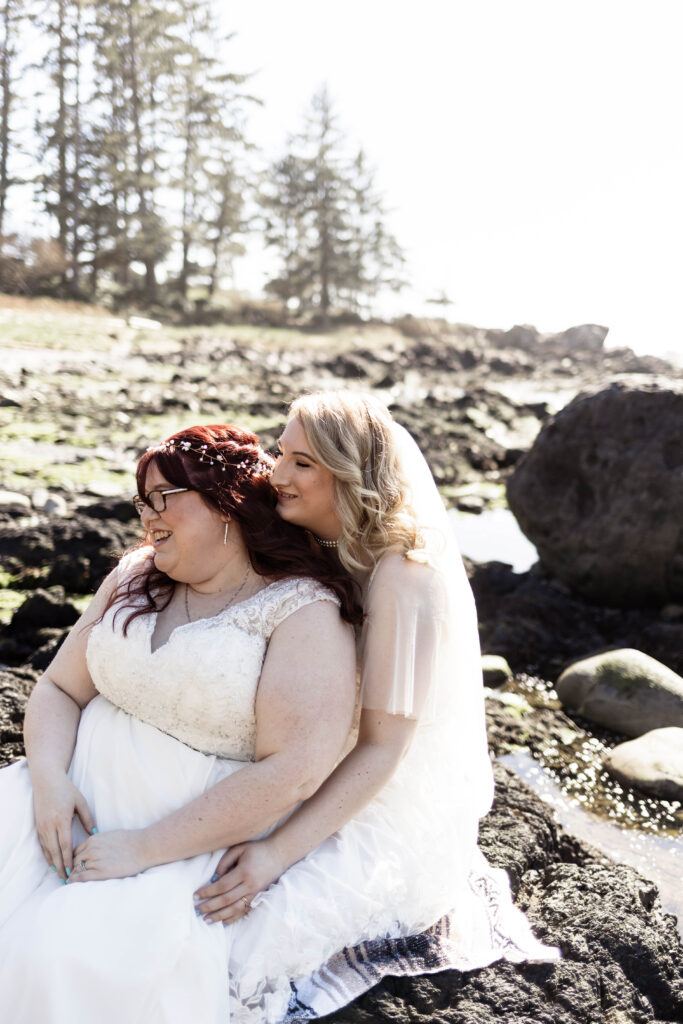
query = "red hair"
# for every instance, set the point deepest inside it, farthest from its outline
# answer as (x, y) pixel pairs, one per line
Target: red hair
(226, 465)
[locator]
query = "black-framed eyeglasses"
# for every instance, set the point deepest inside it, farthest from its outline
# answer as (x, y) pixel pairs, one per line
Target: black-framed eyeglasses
(156, 499)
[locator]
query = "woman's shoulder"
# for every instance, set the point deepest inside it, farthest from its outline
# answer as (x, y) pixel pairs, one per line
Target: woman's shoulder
(394, 569)
(280, 599)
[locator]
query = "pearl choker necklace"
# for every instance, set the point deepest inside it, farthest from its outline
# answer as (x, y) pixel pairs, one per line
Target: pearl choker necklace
(325, 543)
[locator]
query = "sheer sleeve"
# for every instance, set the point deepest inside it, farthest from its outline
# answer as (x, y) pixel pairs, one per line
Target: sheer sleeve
(402, 637)
(419, 651)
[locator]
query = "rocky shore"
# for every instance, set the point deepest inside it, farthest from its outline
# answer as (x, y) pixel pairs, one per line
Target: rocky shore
(76, 410)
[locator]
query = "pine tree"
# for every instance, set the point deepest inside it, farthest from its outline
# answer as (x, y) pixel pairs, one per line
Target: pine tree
(59, 129)
(327, 222)
(209, 99)
(137, 42)
(12, 14)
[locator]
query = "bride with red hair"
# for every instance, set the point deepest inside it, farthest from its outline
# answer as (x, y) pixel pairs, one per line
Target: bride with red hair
(208, 688)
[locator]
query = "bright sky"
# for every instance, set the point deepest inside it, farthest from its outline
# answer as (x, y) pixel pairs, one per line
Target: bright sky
(531, 150)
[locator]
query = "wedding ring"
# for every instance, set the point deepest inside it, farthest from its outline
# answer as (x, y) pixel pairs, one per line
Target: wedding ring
(247, 904)
(82, 866)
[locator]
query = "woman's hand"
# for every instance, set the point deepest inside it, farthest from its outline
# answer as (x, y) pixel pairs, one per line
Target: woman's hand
(55, 803)
(244, 871)
(116, 854)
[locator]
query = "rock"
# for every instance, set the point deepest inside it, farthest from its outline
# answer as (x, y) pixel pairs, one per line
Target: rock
(112, 508)
(496, 670)
(44, 609)
(15, 687)
(471, 503)
(540, 627)
(652, 763)
(625, 690)
(75, 551)
(12, 499)
(587, 338)
(622, 959)
(596, 493)
(41, 658)
(51, 504)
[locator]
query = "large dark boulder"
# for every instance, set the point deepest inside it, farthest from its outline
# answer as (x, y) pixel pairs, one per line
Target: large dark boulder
(600, 493)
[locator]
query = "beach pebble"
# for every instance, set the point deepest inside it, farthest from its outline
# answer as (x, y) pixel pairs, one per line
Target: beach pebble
(496, 670)
(12, 499)
(652, 763)
(52, 504)
(624, 690)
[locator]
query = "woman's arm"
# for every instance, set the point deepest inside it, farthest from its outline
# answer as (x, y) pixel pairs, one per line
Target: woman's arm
(304, 708)
(401, 639)
(251, 867)
(50, 726)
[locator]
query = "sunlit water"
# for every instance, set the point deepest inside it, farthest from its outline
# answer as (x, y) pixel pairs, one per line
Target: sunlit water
(626, 825)
(493, 536)
(657, 857)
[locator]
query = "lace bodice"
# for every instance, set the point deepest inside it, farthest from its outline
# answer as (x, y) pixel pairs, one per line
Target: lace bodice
(200, 686)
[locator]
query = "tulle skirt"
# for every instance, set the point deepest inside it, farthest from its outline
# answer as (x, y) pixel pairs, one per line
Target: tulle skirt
(133, 950)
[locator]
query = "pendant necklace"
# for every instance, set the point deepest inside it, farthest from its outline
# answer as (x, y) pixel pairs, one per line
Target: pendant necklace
(226, 605)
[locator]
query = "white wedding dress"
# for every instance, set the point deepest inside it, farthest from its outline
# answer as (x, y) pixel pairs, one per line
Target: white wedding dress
(167, 725)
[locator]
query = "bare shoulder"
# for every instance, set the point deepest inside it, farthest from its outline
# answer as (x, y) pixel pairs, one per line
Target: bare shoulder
(398, 574)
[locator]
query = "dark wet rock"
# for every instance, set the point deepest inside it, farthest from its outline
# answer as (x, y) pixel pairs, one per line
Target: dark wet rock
(37, 629)
(48, 644)
(76, 552)
(597, 493)
(44, 609)
(625, 690)
(540, 627)
(622, 954)
(15, 687)
(495, 670)
(652, 763)
(122, 510)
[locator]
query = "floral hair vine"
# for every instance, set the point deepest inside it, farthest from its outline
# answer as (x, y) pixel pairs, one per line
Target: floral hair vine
(263, 464)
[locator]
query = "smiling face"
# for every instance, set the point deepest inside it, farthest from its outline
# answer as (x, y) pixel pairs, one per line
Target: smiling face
(305, 488)
(187, 536)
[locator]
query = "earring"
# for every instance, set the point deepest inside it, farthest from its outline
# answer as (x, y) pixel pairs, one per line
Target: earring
(225, 534)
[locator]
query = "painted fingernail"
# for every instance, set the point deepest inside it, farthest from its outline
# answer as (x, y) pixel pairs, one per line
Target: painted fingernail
(95, 831)
(214, 878)
(64, 881)
(196, 897)
(198, 912)
(53, 867)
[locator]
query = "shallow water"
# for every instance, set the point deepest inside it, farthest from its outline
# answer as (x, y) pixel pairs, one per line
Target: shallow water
(493, 536)
(656, 856)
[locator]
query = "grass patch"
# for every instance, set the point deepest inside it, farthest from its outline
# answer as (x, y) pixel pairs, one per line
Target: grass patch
(51, 325)
(41, 472)
(9, 602)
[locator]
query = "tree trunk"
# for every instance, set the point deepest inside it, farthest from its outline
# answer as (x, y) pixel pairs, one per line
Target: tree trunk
(5, 104)
(143, 209)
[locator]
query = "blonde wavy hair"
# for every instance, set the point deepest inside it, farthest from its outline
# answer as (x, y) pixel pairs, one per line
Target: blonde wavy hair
(351, 435)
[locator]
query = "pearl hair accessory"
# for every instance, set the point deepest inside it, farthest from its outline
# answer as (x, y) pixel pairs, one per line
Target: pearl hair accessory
(264, 463)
